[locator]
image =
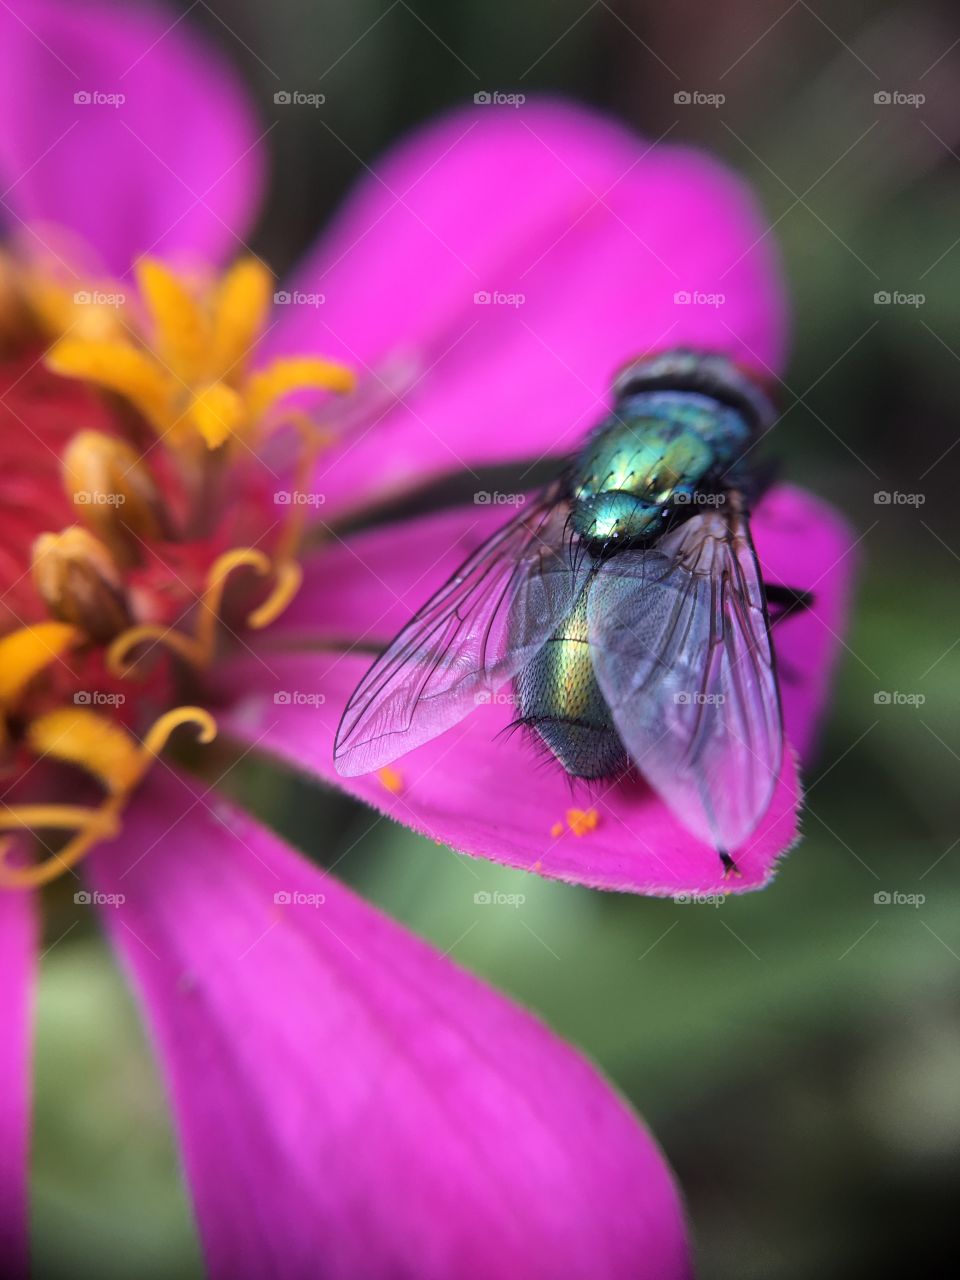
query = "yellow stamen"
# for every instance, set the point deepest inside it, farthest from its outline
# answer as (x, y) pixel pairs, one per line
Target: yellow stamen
(288, 576)
(199, 649)
(239, 314)
(188, 375)
(118, 762)
(120, 367)
(294, 373)
(60, 307)
(92, 826)
(158, 735)
(78, 736)
(25, 653)
(181, 330)
(217, 413)
(184, 373)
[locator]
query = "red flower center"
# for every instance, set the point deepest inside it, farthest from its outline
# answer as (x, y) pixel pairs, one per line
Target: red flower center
(138, 531)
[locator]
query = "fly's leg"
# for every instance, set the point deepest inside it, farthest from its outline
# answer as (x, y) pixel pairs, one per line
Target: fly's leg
(730, 868)
(783, 602)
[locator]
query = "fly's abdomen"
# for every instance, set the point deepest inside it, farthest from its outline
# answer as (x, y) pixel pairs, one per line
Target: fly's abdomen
(559, 699)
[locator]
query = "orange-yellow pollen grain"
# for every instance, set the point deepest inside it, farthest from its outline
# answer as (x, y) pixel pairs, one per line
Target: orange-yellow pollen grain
(579, 821)
(391, 779)
(582, 821)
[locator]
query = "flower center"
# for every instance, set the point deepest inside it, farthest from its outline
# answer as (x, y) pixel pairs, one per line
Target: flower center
(138, 456)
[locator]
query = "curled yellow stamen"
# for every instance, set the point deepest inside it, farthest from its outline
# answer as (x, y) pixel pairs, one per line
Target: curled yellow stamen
(98, 824)
(117, 761)
(199, 649)
(288, 576)
(158, 735)
(118, 655)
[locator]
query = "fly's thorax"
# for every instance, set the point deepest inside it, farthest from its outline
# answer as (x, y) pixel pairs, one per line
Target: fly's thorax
(560, 700)
(649, 458)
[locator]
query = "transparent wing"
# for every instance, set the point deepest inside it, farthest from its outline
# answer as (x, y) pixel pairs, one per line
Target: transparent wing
(681, 647)
(476, 633)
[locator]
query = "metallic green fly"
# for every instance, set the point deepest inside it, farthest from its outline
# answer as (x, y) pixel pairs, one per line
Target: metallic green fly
(627, 607)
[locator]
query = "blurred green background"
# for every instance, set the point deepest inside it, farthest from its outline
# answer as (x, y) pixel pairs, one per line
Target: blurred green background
(797, 1052)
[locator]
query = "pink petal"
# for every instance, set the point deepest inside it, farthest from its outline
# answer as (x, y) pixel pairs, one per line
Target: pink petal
(18, 944)
(594, 226)
(350, 1103)
(174, 169)
(485, 792)
(802, 542)
(366, 587)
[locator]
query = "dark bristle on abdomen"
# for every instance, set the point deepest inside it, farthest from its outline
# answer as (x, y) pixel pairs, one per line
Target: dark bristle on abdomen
(584, 751)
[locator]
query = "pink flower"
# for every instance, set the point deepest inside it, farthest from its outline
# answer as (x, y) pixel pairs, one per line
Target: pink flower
(345, 1098)
(615, 249)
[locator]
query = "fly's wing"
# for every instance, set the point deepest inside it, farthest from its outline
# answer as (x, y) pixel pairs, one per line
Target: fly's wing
(681, 647)
(477, 632)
